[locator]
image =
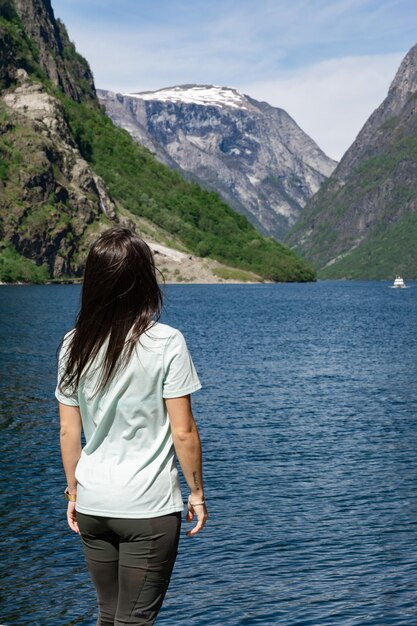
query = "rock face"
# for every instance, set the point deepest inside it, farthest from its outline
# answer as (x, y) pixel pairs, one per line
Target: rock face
(57, 55)
(51, 199)
(254, 155)
(363, 221)
(51, 202)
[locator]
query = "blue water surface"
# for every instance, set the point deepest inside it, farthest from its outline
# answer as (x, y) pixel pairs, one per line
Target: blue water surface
(308, 416)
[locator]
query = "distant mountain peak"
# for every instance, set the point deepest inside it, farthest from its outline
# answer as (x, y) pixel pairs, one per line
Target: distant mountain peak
(405, 81)
(205, 95)
(253, 154)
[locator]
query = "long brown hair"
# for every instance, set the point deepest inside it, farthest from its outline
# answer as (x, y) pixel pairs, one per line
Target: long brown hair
(120, 293)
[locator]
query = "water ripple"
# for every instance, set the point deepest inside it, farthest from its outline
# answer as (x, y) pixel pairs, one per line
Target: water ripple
(308, 419)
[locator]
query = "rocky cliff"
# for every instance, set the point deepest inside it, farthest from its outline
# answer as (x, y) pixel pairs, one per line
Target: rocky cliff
(363, 221)
(31, 38)
(51, 201)
(254, 155)
(51, 198)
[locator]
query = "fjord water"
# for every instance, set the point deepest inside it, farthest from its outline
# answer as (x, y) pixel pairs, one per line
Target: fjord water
(308, 416)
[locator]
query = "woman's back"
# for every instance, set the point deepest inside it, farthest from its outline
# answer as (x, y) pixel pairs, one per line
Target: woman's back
(127, 429)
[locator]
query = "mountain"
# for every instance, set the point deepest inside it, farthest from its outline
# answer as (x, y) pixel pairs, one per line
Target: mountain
(253, 154)
(67, 172)
(51, 201)
(363, 221)
(47, 42)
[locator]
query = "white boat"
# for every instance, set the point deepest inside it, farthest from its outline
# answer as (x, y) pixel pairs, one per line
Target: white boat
(399, 283)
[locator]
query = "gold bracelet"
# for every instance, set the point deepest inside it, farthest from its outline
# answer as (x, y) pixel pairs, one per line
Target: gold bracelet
(71, 497)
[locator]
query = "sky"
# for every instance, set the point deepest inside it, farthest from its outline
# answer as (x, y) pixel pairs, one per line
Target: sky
(328, 63)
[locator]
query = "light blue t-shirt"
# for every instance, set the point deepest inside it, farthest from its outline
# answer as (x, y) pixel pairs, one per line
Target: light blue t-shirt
(127, 467)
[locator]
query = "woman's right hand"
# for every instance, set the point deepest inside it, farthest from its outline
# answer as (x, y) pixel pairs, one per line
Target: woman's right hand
(200, 510)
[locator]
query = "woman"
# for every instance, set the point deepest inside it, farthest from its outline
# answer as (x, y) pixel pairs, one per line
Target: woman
(126, 379)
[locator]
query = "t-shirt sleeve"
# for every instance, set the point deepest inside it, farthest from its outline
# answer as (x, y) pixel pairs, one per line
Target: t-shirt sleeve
(180, 377)
(68, 396)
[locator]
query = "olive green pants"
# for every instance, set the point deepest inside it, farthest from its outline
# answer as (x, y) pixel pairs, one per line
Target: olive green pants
(130, 563)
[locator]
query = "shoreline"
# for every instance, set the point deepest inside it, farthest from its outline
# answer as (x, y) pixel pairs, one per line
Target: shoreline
(220, 282)
(168, 282)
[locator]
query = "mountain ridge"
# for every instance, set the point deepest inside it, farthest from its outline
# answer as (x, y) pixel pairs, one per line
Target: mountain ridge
(362, 222)
(253, 154)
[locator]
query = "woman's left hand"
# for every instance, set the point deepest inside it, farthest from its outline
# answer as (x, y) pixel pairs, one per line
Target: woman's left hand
(72, 518)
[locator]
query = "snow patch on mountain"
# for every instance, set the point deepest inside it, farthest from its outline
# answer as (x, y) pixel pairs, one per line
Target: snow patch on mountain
(206, 95)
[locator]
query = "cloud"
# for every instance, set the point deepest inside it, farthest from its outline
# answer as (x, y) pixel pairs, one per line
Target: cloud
(134, 45)
(331, 100)
(128, 60)
(327, 62)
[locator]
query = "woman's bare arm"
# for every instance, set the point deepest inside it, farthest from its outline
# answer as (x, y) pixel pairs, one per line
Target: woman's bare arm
(188, 450)
(70, 440)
